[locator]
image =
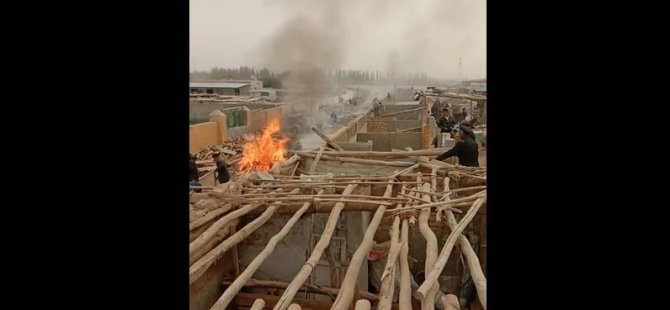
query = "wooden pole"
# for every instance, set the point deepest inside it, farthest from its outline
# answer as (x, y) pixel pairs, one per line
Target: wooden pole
(237, 285)
(363, 304)
(405, 301)
(478, 277)
(431, 277)
(209, 216)
(329, 291)
(316, 161)
(388, 277)
(222, 222)
(323, 242)
(363, 161)
(259, 304)
(199, 267)
(345, 297)
(450, 302)
(400, 112)
(328, 140)
(428, 299)
(368, 154)
(220, 236)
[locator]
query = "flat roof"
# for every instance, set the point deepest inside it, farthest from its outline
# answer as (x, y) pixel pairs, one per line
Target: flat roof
(216, 85)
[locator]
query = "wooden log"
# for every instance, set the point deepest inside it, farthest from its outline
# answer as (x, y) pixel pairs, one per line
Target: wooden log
(259, 304)
(450, 302)
(401, 112)
(323, 290)
(431, 277)
(199, 267)
(294, 307)
(364, 304)
(221, 235)
(370, 154)
(220, 223)
(388, 277)
(323, 242)
(428, 299)
(450, 202)
(408, 169)
(237, 285)
(316, 160)
(475, 268)
(314, 199)
(405, 295)
(410, 129)
(345, 296)
(276, 168)
(328, 140)
(366, 161)
(246, 299)
(209, 216)
(433, 188)
(320, 184)
(332, 267)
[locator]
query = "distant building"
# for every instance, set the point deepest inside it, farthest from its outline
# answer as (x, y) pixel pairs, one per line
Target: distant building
(220, 88)
(265, 93)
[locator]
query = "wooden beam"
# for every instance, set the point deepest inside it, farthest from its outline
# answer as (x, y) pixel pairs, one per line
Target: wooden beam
(369, 154)
(247, 299)
(431, 277)
(388, 277)
(428, 299)
(345, 296)
(221, 235)
(323, 290)
(220, 223)
(401, 112)
(405, 294)
(209, 216)
(312, 168)
(199, 267)
(259, 304)
(237, 285)
(475, 268)
(328, 140)
(363, 304)
(323, 242)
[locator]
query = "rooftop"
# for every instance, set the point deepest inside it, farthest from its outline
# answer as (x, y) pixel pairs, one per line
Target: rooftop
(216, 85)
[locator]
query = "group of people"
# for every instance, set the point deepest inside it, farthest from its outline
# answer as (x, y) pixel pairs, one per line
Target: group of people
(221, 174)
(466, 148)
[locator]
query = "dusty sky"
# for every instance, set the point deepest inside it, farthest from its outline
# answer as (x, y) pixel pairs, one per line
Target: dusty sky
(390, 35)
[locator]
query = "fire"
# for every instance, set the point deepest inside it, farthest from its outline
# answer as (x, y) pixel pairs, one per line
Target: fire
(261, 151)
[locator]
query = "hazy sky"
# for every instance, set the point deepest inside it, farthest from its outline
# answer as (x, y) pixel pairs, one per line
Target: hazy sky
(390, 35)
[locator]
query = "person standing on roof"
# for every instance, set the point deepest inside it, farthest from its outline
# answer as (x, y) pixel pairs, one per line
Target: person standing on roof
(221, 173)
(193, 173)
(466, 149)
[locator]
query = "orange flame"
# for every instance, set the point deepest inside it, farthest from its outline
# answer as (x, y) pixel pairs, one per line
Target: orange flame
(261, 151)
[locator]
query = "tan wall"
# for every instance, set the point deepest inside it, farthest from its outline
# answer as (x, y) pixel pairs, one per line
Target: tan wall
(201, 135)
(257, 120)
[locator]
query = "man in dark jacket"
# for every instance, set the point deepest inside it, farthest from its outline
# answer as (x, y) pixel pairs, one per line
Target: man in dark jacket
(193, 173)
(466, 149)
(445, 123)
(221, 173)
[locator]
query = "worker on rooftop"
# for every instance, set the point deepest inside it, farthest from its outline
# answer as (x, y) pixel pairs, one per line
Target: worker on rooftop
(221, 173)
(466, 149)
(193, 173)
(446, 122)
